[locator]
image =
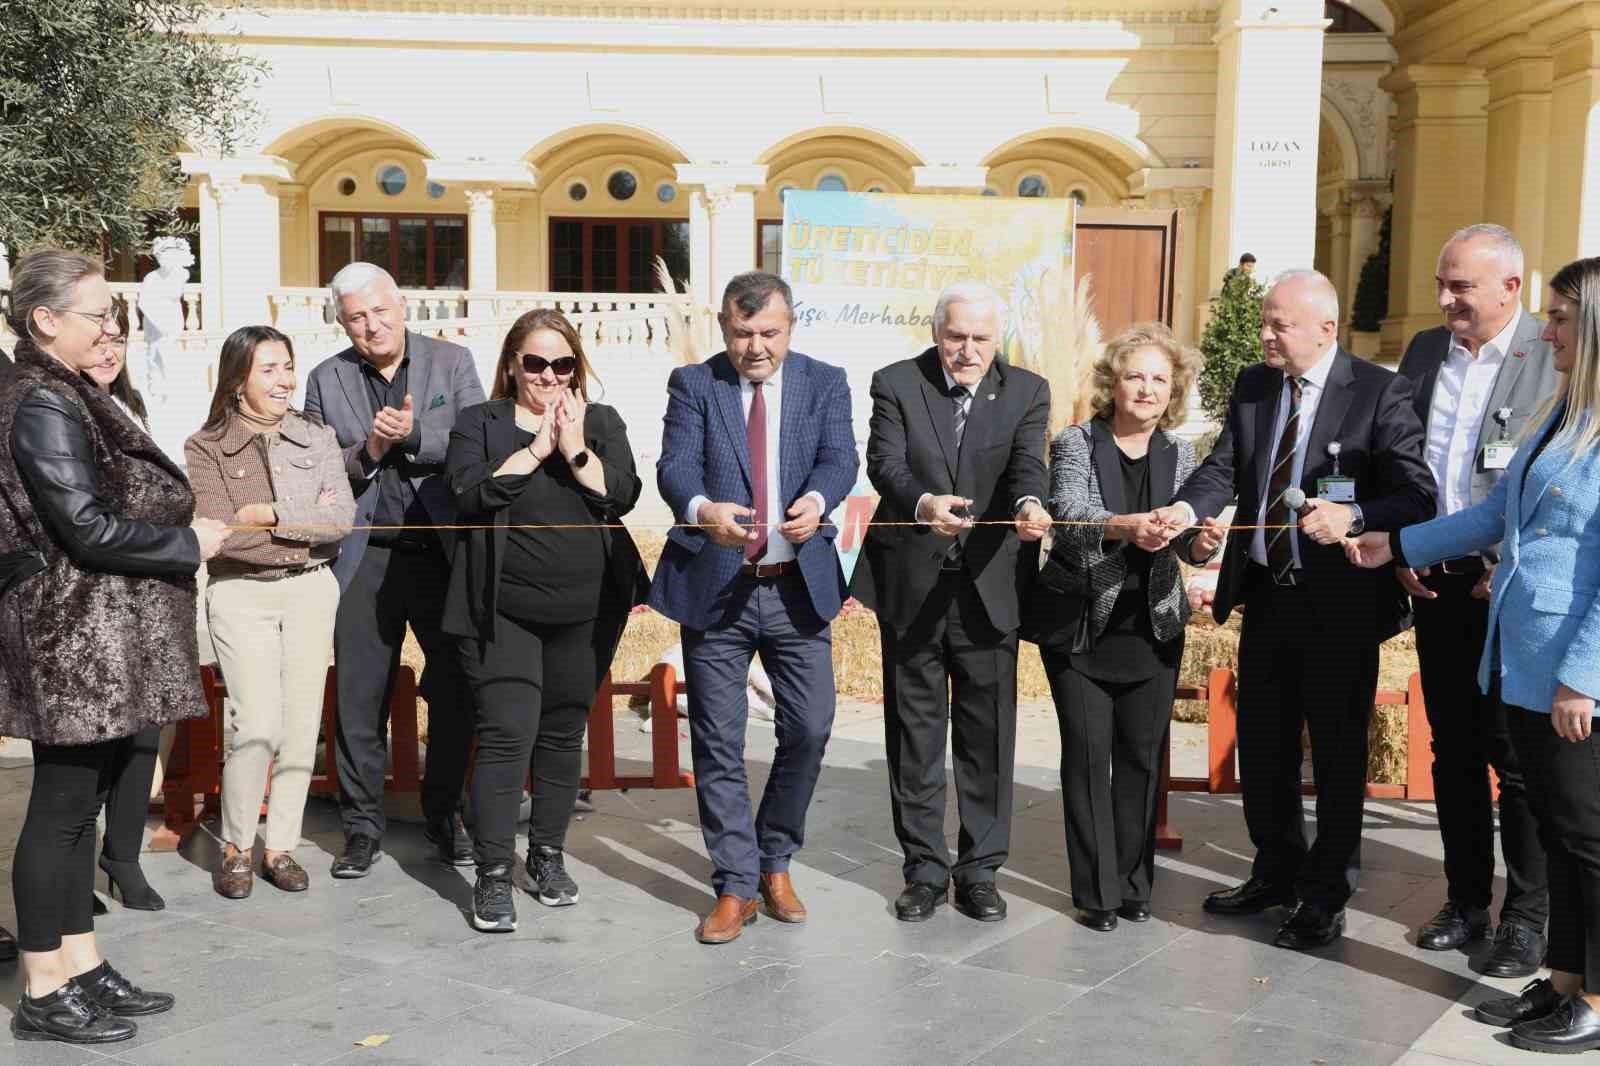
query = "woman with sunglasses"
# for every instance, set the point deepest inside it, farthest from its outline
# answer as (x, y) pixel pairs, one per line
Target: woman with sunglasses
(539, 596)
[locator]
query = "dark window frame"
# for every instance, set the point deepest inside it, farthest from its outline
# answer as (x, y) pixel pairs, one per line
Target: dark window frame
(393, 218)
(623, 226)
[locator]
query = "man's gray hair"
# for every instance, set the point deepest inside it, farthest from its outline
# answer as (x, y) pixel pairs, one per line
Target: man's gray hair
(357, 277)
(1501, 240)
(1321, 292)
(968, 292)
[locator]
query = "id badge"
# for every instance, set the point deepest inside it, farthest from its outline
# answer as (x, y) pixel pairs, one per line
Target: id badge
(1498, 456)
(1336, 489)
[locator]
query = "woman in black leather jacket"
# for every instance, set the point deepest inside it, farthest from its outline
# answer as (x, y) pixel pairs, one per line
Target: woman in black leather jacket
(98, 551)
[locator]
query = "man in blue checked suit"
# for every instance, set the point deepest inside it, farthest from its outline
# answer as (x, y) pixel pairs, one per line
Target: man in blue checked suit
(757, 449)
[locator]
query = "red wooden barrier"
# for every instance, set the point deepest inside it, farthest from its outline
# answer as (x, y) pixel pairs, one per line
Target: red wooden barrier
(662, 687)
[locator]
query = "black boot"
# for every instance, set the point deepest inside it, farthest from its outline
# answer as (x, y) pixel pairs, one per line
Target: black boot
(127, 880)
(68, 1015)
(112, 992)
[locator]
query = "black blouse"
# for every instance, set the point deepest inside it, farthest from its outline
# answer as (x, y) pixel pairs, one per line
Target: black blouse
(1127, 651)
(550, 575)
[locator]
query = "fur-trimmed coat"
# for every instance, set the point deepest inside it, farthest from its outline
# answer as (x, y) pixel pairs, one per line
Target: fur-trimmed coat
(97, 612)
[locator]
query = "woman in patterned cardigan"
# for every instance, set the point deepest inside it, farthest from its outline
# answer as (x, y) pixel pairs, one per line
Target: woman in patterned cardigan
(1112, 611)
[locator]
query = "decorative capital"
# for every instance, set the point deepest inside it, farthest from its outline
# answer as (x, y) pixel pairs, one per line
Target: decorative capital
(1189, 200)
(718, 197)
(479, 199)
(223, 190)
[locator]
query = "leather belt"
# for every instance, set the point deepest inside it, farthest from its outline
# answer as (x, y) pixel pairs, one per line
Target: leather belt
(309, 568)
(1463, 566)
(765, 571)
(405, 545)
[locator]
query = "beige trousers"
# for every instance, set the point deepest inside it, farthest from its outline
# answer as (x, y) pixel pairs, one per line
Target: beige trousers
(273, 641)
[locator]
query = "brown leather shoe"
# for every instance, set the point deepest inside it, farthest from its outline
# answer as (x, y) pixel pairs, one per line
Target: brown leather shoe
(233, 879)
(726, 920)
(777, 892)
(285, 874)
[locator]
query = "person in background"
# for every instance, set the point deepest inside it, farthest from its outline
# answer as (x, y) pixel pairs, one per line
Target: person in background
(539, 611)
(1543, 647)
(98, 550)
(277, 477)
(1108, 612)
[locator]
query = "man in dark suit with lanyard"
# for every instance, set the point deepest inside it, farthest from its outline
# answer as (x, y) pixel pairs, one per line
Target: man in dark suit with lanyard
(1478, 379)
(956, 436)
(1344, 432)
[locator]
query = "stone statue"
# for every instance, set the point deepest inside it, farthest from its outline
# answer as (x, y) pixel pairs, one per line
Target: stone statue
(161, 303)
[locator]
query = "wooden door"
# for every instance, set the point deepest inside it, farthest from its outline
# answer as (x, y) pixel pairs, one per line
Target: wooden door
(1130, 257)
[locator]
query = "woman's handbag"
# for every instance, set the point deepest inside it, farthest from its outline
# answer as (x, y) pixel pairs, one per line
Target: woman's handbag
(1057, 615)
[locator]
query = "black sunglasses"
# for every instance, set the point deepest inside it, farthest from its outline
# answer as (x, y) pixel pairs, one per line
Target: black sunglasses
(536, 365)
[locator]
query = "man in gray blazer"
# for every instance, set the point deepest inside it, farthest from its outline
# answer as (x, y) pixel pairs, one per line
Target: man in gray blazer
(392, 398)
(1478, 380)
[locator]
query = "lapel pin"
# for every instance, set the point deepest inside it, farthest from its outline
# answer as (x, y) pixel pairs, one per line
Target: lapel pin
(991, 396)
(1519, 355)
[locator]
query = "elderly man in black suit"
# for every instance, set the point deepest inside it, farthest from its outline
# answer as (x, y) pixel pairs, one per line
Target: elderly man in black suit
(1479, 378)
(957, 436)
(1343, 431)
(392, 398)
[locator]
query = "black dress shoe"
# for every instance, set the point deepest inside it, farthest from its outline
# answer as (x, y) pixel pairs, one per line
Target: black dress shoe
(1252, 897)
(451, 838)
(981, 901)
(1098, 920)
(360, 852)
(8, 945)
(1453, 926)
(1572, 1027)
(1309, 926)
(1535, 1001)
(919, 900)
(69, 1016)
(1518, 952)
(110, 991)
(1135, 911)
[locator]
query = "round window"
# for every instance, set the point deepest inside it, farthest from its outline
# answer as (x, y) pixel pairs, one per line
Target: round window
(666, 192)
(435, 190)
(990, 192)
(1033, 186)
(392, 180)
(875, 188)
(831, 183)
(622, 185)
(783, 193)
(578, 191)
(347, 186)
(1078, 197)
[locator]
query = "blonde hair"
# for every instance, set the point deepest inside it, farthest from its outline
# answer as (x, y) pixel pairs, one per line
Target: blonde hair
(46, 277)
(1579, 391)
(1107, 370)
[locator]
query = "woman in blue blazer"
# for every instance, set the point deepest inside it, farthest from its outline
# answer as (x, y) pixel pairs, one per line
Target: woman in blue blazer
(1544, 649)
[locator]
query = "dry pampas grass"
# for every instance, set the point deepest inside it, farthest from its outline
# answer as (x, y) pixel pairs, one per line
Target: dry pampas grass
(1070, 343)
(689, 330)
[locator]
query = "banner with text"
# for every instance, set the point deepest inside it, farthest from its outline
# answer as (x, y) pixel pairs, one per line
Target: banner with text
(867, 269)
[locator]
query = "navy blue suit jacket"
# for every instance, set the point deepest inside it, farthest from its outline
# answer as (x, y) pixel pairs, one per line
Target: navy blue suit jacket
(704, 453)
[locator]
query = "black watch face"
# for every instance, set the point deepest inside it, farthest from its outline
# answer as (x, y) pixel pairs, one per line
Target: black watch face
(581, 459)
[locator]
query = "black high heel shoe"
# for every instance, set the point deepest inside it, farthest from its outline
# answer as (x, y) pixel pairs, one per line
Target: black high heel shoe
(128, 880)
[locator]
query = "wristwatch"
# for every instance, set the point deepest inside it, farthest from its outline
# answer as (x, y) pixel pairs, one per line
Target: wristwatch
(579, 461)
(1358, 523)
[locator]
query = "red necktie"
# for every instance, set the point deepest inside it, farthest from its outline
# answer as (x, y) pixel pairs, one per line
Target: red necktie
(755, 434)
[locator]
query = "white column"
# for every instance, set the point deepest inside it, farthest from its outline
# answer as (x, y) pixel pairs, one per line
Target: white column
(1269, 90)
(5, 267)
(247, 224)
(722, 225)
(483, 251)
(1572, 202)
(210, 260)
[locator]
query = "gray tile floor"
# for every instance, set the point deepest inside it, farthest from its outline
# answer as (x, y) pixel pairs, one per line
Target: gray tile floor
(619, 979)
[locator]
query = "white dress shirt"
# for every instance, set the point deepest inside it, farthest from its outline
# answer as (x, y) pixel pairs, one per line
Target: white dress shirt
(966, 414)
(1460, 398)
(1313, 383)
(779, 550)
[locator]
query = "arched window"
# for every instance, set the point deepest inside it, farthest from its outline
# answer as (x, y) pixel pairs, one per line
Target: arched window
(1347, 19)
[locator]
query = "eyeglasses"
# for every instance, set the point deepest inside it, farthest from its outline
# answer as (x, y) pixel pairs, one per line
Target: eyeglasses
(562, 365)
(98, 318)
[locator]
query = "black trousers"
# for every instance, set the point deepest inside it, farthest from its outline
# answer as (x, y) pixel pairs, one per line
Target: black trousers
(128, 802)
(1564, 788)
(1111, 740)
(52, 876)
(532, 687)
(951, 669)
(1295, 669)
(1469, 736)
(389, 590)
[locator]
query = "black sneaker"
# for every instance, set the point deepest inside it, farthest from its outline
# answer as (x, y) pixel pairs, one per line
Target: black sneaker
(68, 1015)
(493, 909)
(550, 882)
